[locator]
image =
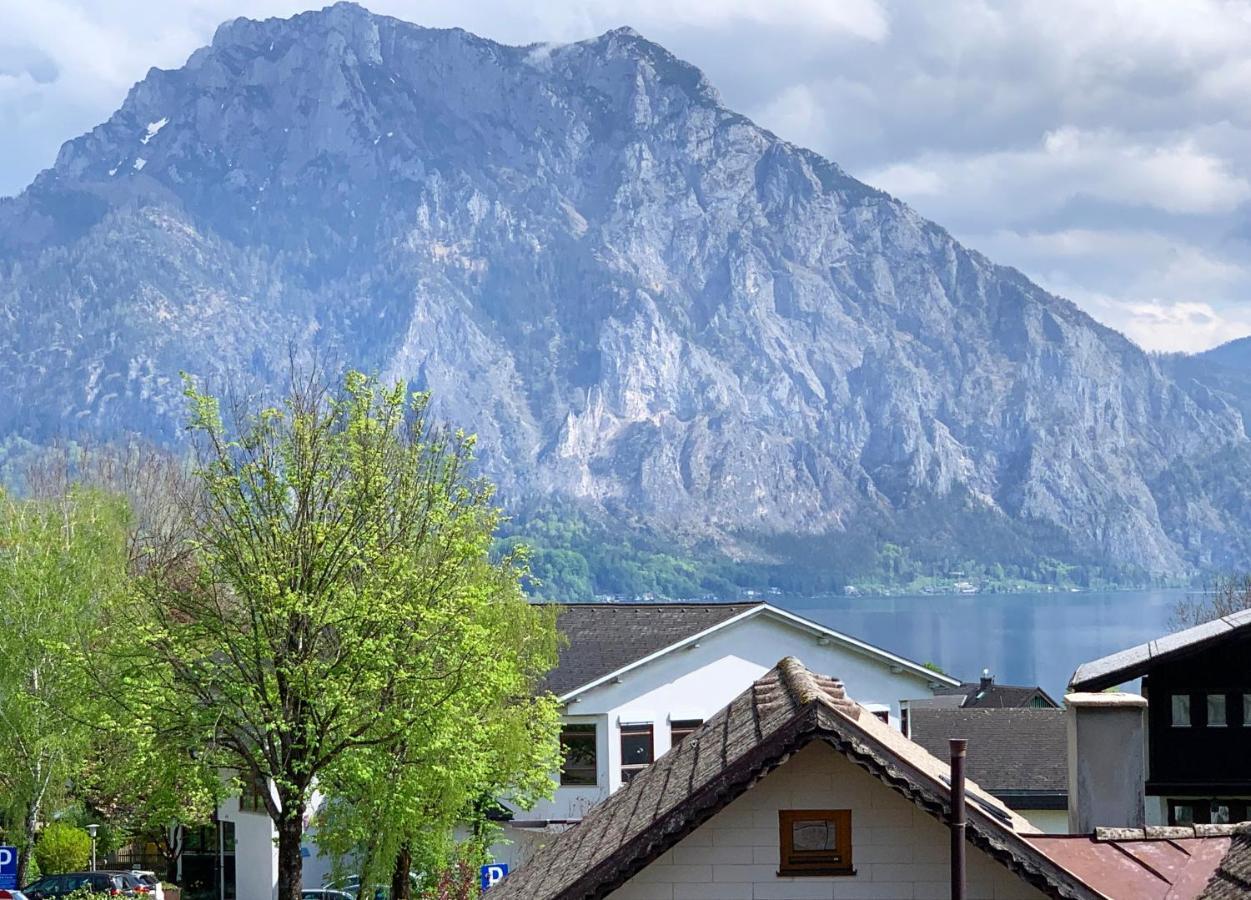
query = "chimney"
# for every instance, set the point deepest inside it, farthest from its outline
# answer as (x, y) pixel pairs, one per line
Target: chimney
(959, 747)
(987, 679)
(1107, 760)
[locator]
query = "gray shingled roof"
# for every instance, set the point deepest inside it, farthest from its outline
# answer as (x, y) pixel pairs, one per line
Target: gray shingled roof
(1232, 880)
(605, 637)
(788, 708)
(1135, 662)
(1019, 751)
(996, 695)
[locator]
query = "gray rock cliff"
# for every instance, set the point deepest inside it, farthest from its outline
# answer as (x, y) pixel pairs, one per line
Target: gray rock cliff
(638, 298)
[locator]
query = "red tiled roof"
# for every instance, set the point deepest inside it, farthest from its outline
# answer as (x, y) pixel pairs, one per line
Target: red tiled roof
(1137, 868)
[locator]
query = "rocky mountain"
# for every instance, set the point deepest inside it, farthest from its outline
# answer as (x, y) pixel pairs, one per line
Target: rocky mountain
(638, 298)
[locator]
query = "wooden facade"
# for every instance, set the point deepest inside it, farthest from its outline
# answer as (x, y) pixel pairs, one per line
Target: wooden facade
(1199, 731)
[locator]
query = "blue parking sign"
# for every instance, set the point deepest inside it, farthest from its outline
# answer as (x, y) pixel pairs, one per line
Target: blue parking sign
(8, 868)
(493, 874)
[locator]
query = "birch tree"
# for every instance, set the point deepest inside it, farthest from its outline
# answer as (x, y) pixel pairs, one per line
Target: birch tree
(62, 561)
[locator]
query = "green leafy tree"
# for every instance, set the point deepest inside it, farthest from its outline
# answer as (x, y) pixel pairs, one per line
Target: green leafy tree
(61, 563)
(143, 776)
(62, 848)
(394, 810)
(149, 789)
(332, 606)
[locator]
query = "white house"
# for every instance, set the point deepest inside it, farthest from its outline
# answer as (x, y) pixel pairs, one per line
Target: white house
(236, 858)
(637, 678)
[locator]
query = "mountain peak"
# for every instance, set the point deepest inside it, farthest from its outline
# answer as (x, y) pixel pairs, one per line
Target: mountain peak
(638, 298)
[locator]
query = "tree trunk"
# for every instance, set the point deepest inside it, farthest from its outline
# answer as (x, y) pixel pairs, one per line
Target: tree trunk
(290, 865)
(28, 830)
(170, 847)
(401, 884)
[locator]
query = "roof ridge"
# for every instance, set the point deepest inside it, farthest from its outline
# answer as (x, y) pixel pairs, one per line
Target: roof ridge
(806, 687)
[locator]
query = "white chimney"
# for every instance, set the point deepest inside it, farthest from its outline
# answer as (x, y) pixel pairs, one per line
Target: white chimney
(1107, 760)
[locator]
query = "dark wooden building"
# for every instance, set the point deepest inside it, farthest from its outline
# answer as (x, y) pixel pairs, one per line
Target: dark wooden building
(1198, 688)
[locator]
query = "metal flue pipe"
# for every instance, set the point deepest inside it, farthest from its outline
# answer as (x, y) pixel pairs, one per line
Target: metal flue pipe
(958, 748)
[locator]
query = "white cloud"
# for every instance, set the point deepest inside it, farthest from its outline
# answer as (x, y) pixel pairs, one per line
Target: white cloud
(1068, 164)
(1184, 326)
(861, 18)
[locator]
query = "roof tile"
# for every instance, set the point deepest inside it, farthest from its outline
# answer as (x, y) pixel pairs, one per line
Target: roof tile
(1010, 749)
(605, 637)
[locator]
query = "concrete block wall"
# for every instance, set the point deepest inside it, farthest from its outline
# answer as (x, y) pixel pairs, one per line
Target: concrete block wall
(898, 851)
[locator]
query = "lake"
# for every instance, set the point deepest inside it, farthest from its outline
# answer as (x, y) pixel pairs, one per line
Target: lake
(1022, 638)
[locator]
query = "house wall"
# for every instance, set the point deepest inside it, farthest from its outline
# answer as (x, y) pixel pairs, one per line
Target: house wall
(1224, 749)
(697, 682)
(256, 852)
(1048, 821)
(898, 851)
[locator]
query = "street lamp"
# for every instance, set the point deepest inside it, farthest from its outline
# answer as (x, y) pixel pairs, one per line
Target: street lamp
(91, 830)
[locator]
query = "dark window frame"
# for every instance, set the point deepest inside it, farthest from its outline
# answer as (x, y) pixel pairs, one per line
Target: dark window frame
(801, 863)
(630, 770)
(680, 729)
(581, 730)
(252, 795)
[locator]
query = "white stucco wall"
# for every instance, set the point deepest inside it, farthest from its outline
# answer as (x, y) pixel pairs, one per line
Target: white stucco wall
(256, 853)
(697, 682)
(898, 851)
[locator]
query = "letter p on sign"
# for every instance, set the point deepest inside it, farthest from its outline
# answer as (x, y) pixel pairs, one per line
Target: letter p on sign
(493, 874)
(8, 867)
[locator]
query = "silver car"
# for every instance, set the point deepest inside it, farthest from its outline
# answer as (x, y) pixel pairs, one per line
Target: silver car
(148, 879)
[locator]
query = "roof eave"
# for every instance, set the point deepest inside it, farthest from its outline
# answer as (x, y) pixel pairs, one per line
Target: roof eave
(1147, 656)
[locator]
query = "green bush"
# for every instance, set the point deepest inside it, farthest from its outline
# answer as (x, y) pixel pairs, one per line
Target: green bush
(62, 848)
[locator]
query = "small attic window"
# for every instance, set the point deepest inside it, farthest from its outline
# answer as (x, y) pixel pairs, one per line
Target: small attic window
(815, 842)
(1180, 713)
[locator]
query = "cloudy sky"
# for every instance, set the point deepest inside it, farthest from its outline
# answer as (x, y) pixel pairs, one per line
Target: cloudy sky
(1103, 146)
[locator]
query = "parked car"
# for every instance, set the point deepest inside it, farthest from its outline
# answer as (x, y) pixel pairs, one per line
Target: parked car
(115, 884)
(326, 894)
(134, 884)
(14, 894)
(352, 887)
(149, 880)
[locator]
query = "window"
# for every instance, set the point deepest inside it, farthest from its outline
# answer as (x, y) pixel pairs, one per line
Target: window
(252, 797)
(637, 750)
(882, 715)
(1217, 811)
(1246, 710)
(815, 841)
(1181, 813)
(1181, 711)
(1039, 703)
(1216, 710)
(578, 750)
(680, 728)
